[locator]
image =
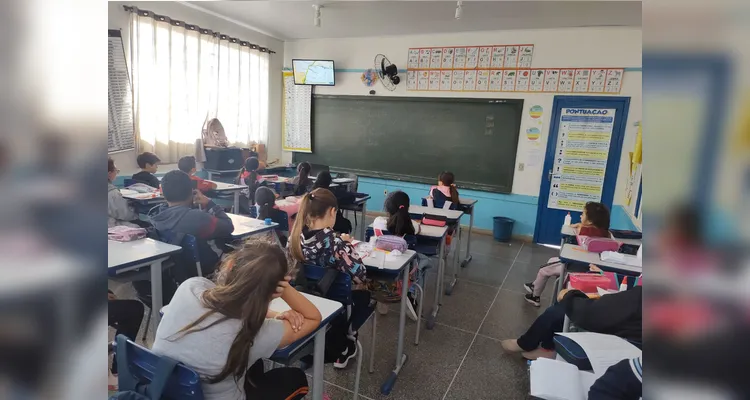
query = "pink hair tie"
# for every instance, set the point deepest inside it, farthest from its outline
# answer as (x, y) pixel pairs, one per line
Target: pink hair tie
(400, 207)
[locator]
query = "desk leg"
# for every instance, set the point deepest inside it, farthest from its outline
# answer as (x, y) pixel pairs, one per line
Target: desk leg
(319, 354)
(454, 260)
(387, 386)
(156, 295)
(438, 287)
(362, 227)
(236, 206)
(467, 260)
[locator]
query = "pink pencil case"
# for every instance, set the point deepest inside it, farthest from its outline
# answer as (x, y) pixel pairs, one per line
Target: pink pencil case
(587, 283)
(598, 244)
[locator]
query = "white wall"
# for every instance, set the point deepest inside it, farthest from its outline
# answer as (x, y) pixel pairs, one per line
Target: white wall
(574, 47)
(119, 19)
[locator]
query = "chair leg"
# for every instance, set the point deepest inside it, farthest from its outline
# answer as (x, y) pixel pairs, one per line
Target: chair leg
(148, 323)
(359, 369)
(372, 341)
(419, 312)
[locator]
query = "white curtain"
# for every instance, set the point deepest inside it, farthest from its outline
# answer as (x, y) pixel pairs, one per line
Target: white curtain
(182, 77)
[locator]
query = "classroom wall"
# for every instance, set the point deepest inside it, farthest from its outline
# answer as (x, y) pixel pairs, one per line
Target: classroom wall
(119, 19)
(572, 47)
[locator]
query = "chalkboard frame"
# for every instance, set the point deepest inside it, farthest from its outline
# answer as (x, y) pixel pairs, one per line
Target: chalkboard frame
(461, 184)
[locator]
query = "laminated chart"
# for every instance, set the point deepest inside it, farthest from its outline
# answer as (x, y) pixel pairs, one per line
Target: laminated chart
(120, 132)
(297, 109)
(581, 154)
(501, 68)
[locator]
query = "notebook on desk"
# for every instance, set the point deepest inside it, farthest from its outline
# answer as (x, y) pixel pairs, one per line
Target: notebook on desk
(559, 380)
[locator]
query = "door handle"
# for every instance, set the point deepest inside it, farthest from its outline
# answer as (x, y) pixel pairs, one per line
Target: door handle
(549, 175)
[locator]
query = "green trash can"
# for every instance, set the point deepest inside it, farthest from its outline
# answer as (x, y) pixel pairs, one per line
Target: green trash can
(502, 229)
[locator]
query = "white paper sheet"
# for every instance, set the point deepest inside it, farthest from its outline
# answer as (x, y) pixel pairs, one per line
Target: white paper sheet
(621, 258)
(559, 380)
(603, 350)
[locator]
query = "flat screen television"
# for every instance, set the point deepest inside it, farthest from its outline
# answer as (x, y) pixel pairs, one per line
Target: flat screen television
(313, 72)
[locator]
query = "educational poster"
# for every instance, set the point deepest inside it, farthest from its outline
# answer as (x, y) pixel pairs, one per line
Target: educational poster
(434, 80)
(458, 80)
(296, 108)
(598, 80)
(581, 81)
(551, 79)
(522, 81)
(511, 56)
(411, 80)
(483, 80)
(496, 80)
(566, 81)
(447, 58)
(498, 57)
(581, 153)
(485, 57)
(413, 62)
(445, 80)
(509, 80)
(614, 80)
(424, 58)
(423, 80)
(470, 80)
(536, 83)
(526, 54)
(472, 57)
(459, 59)
(436, 58)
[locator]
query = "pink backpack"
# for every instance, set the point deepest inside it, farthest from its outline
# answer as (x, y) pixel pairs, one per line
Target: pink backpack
(598, 244)
(390, 243)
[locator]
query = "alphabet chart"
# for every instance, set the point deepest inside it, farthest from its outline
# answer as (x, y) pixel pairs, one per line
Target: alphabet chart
(501, 68)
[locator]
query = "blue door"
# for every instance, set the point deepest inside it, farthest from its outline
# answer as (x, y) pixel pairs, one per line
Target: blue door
(577, 155)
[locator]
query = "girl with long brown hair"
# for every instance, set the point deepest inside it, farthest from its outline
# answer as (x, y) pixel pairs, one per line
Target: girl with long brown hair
(313, 241)
(222, 330)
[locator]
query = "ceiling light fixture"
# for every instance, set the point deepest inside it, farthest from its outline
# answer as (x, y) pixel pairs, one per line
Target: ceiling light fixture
(459, 9)
(316, 19)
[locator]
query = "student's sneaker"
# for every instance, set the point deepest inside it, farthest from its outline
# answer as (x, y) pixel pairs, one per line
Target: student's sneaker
(349, 352)
(532, 299)
(529, 287)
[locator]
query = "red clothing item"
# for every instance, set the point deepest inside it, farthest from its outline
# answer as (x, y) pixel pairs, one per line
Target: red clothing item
(203, 185)
(593, 231)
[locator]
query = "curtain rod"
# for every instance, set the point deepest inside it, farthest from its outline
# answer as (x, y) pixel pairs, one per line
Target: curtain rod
(203, 31)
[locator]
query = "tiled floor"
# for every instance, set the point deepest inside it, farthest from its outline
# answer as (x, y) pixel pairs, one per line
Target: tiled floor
(461, 358)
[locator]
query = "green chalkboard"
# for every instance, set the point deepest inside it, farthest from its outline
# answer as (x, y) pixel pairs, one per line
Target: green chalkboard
(415, 138)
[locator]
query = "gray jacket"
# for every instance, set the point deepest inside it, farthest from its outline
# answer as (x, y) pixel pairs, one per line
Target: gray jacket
(120, 212)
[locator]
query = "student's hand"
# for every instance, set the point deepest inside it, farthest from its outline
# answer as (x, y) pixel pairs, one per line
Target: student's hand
(295, 319)
(576, 225)
(200, 198)
(111, 296)
(346, 237)
(281, 287)
(594, 268)
(561, 295)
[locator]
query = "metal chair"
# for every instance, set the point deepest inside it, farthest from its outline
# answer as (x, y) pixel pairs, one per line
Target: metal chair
(142, 366)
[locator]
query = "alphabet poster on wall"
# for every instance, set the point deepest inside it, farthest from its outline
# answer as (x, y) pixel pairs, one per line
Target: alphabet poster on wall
(581, 153)
(501, 68)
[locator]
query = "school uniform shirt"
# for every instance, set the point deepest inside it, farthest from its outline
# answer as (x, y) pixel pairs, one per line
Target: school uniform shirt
(381, 224)
(120, 212)
(206, 351)
(301, 188)
(324, 247)
(590, 230)
(446, 190)
(202, 184)
(147, 178)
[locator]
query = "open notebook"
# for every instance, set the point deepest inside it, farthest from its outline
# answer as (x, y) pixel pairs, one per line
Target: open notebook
(559, 380)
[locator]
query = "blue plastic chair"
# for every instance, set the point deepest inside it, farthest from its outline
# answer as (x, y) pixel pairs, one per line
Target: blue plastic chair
(184, 384)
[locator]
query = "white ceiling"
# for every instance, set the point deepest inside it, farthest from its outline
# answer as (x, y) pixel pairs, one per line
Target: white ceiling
(291, 20)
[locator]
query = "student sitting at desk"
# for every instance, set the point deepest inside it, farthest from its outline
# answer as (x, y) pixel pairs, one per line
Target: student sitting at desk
(324, 180)
(302, 182)
(223, 330)
(594, 222)
(445, 189)
(249, 177)
(210, 224)
(120, 212)
(619, 314)
(149, 164)
(265, 199)
(313, 241)
(187, 165)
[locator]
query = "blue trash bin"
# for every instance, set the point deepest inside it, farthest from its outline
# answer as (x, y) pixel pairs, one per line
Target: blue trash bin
(502, 229)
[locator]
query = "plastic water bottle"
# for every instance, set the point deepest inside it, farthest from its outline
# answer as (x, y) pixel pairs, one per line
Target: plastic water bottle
(567, 220)
(624, 284)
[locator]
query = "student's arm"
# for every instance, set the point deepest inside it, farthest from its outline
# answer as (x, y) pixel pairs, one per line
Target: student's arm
(298, 303)
(119, 208)
(204, 185)
(622, 381)
(214, 223)
(347, 260)
(597, 315)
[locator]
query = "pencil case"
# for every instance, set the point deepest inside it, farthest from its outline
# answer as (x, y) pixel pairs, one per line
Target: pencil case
(390, 243)
(597, 244)
(434, 220)
(587, 283)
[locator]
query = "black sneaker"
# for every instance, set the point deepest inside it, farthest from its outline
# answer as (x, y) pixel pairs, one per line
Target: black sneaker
(532, 299)
(349, 352)
(529, 287)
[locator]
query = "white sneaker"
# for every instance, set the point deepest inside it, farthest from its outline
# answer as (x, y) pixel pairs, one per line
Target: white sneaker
(348, 353)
